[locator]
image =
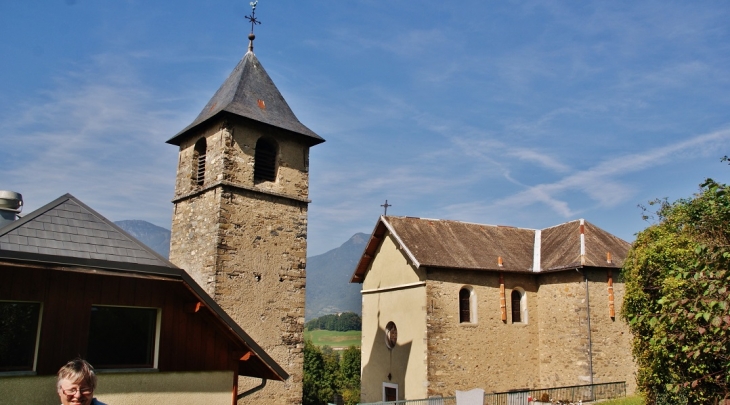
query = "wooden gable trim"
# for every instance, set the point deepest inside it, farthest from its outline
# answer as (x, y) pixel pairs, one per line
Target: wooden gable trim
(376, 239)
(400, 243)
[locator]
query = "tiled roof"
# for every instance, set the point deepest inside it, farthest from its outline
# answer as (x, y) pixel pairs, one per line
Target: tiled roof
(461, 245)
(437, 243)
(67, 228)
(249, 92)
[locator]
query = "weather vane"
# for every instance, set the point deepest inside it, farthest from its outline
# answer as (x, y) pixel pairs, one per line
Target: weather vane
(252, 17)
(254, 21)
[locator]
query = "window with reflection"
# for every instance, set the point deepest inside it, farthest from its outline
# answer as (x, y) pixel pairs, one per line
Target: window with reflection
(122, 337)
(19, 331)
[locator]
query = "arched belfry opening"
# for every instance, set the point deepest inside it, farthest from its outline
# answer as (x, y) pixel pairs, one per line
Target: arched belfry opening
(199, 153)
(265, 160)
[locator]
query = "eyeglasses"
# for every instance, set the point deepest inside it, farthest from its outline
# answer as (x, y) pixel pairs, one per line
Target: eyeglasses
(73, 391)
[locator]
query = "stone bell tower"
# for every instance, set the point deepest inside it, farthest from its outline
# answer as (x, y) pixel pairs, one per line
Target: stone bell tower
(239, 225)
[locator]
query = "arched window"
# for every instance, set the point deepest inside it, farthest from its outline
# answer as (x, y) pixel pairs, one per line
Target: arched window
(199, 162)
(265, 161)
(519, 306)
(467, 305)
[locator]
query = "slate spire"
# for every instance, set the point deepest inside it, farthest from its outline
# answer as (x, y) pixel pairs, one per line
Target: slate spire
(250, 93)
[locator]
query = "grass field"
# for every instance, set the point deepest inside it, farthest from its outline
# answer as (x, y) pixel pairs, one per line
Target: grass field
(333, 338)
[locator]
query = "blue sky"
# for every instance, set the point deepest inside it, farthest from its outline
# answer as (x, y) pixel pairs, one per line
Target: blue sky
(526, 113)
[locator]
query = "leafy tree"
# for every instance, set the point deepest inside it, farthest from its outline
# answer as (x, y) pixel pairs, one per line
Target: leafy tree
(677, 300)
(313, 387)
(330, 380)
(326, 373)
(339, 322)
(350, 375)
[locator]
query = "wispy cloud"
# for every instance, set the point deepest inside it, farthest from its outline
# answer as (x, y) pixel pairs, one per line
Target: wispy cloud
(602, 182)
(98, 134)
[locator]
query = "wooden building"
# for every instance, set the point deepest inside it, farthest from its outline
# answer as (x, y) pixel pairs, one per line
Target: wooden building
(74, 284)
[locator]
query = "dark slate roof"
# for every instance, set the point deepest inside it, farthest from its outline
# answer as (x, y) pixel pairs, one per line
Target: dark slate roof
(68, 228)
(461, 245)
(66, 232)
(249, 92)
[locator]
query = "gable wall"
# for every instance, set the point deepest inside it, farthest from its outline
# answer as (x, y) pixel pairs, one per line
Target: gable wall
(391, 267)
(489, 354)
(405, 306)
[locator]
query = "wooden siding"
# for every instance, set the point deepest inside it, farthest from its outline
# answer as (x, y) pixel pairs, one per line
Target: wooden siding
(188, 341)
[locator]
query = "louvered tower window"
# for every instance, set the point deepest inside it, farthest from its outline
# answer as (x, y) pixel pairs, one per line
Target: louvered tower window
(199, 162)
(265, 165)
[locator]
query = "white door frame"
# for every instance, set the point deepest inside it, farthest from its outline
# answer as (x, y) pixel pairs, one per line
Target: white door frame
(390, 385)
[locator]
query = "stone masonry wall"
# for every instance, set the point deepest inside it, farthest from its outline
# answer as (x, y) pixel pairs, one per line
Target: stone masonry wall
(292, 163)
(612, 359)
(245, 243)
(260, 279)
(550, 350)
(564, 344)
(193, 244)
(488, 354)
(563, 330)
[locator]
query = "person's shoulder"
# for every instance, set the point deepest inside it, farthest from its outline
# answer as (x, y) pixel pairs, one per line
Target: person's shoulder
(97, 402)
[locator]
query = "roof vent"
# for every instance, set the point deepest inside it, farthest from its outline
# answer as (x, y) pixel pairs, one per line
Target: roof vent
(11, 203)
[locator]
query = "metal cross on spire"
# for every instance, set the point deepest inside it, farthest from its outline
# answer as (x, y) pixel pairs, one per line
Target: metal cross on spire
(386, 205)
(254, 21)
(252, 18)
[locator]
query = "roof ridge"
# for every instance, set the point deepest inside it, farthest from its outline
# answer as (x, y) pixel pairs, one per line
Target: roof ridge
(564, 223)
(466, 222)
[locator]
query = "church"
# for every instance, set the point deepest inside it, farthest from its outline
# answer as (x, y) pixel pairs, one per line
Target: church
(449, 305)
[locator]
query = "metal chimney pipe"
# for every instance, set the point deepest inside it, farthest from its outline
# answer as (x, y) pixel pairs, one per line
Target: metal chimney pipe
(11, 203)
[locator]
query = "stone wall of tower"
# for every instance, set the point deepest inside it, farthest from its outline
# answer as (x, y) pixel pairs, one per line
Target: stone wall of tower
(245, 242)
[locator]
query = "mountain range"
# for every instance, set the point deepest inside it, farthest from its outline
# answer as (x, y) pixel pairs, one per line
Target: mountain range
(328, 280)
(155, 237)
(328, 275)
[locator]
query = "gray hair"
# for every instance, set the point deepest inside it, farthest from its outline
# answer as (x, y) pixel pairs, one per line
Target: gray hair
(77, 371)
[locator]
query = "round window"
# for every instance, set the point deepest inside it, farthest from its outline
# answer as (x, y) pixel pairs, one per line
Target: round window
(391, 335)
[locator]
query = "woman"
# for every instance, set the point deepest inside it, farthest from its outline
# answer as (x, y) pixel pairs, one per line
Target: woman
(76, 383)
